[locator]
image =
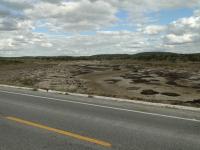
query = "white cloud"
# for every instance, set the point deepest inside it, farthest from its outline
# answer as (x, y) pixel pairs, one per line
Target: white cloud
(139, 8)
(179, 39)
(4, 12)
(101, 43)
(197, 12)
(16, 4)
(10, 24)
(18, 18)
(74, 16)
(184, 30)
(6, 43)
(152, 29)
(184, 25)
(46, 44)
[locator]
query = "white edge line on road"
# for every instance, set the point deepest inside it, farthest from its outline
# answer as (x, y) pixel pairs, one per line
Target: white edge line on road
(102, 106)
(180, 107)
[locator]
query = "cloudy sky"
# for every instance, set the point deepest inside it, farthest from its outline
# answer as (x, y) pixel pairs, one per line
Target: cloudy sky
(88, 27)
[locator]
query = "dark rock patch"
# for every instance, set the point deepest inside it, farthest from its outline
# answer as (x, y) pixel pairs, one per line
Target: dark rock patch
(171, 83)
(196, 101)
(170, 94)
(149, 92)
(139, 80)
(154, 80)
(196, 86)
(112, 81)
(81, 72)
(133, 88)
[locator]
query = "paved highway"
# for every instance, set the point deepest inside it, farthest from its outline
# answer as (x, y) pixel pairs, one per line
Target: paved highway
(42, 121)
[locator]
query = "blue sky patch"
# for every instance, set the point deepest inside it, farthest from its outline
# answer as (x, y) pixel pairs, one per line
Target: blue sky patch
(167, 16)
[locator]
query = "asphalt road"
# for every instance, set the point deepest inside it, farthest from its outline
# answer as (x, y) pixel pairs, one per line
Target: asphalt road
(41, 121)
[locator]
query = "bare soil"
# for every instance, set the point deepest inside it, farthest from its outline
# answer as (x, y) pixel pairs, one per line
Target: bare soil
(162, 82)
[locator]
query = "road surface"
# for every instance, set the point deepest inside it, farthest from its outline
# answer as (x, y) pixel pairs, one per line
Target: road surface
(32, 120)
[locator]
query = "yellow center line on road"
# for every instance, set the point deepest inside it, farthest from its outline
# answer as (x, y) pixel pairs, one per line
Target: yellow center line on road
(66, 133)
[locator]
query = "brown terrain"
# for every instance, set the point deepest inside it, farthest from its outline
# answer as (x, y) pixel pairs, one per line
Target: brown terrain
(163, 82)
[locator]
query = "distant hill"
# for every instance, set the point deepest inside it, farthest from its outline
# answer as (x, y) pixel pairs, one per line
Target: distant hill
(153, 56)
(166, 56)
(146, 56)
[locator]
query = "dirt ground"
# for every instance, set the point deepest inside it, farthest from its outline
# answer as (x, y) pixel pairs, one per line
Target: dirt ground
(164, 82)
